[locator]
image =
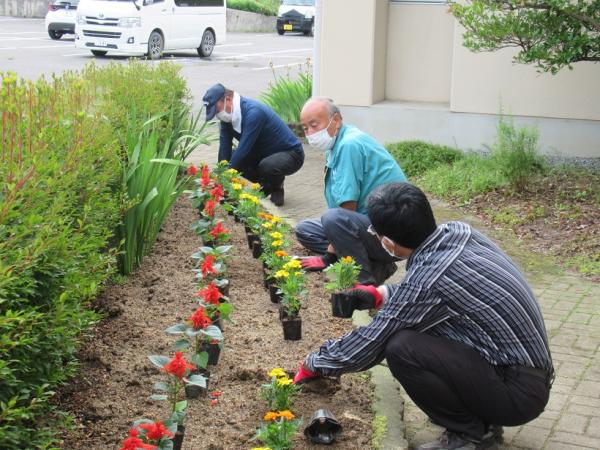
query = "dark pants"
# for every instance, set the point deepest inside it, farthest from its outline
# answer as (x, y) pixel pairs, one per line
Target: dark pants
(271, 171)
(458, 389)
(347, 231)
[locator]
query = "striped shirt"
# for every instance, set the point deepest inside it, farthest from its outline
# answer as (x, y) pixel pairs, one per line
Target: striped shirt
(459, 286)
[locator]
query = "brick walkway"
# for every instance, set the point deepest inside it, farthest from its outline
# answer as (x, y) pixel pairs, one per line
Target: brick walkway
(571, 308)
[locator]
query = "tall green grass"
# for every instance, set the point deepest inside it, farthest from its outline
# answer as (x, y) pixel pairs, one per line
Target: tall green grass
(417, 157)
(286, 96)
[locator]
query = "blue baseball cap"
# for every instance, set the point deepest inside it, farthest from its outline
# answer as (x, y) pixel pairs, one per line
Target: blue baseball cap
(210, 99)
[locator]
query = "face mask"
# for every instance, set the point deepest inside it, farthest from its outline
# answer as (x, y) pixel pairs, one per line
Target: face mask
(224, 116)
(321, 139)
(385, 240)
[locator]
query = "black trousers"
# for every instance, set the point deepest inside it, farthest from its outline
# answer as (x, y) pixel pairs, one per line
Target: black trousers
(458, 389)
(271, 171)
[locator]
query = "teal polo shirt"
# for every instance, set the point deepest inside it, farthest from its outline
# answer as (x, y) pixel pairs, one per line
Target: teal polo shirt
(355, 166)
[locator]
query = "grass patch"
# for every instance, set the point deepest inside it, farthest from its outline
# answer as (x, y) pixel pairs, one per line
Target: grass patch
(266, 7)
(379, 431)
(417, 157)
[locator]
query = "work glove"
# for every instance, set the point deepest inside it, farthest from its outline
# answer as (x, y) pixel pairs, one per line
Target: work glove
(365, 297)
(304, 375)
(318, 263)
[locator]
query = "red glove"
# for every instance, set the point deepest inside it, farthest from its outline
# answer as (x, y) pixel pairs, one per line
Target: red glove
(303, 375)
(366, 296)
(318, 263)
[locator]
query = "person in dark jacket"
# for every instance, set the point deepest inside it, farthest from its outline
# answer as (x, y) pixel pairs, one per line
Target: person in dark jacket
(267, 150)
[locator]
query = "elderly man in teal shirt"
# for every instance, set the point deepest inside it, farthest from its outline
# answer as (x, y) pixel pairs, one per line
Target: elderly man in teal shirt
(355, 165)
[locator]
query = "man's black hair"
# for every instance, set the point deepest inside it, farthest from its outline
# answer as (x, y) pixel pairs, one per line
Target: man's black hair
(401, 212)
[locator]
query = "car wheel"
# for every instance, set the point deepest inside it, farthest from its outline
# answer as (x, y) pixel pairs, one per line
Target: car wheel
(280, 31)
(207, 44)
(156, 45)
(99, 52)
(56, 35)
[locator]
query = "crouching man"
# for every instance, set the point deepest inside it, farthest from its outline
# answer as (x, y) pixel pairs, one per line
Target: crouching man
(462, 332)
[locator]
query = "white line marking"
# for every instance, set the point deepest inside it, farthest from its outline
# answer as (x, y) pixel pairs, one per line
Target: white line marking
(275, 52)
(244, 44)
(76, 54)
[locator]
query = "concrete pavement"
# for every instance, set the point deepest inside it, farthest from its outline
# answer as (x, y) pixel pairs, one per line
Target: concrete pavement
(571, 308)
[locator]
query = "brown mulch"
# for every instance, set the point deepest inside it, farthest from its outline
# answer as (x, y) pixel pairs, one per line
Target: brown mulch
(115, 379)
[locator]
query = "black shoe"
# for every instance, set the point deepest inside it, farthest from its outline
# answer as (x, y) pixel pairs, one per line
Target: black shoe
(277, 197)
(495, 432)
(454, 441)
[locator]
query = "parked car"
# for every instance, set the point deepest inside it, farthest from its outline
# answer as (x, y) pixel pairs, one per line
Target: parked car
(149, 27)
(296, 15)
(60, 18)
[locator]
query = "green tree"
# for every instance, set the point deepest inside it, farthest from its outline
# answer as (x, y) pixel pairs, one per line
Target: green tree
(550, 33)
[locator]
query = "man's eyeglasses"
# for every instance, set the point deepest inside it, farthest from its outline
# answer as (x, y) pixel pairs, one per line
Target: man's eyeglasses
(372, 231)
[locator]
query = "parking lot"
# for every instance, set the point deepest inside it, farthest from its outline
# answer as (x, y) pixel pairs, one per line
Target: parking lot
(243, 62)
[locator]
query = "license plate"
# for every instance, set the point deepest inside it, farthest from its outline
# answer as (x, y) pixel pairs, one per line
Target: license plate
(102, 44)
(288, 27)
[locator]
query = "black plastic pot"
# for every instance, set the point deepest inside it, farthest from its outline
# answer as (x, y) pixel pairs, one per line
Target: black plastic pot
(208, 243)
(292, 328)
(342, 305)
(256, 248)
(224, 290)
(236, 218)
(266, 281)
(247, 229)
(275, 297)
(219, 324)
(193, 391)
(214, 351)
(323, 427)
(178, 438)
(251, 238)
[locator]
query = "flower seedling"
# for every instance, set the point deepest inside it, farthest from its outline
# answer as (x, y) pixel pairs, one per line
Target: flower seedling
(278, 430)
(280, 392)
(342, 275)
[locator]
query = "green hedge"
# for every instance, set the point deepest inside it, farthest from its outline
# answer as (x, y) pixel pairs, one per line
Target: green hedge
(61, 202)
(417, 157)
(266, 7)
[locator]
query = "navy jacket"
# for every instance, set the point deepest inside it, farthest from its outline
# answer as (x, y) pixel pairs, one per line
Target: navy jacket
(263, 134)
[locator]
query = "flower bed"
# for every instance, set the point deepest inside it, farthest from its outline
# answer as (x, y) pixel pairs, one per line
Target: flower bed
(116, 377)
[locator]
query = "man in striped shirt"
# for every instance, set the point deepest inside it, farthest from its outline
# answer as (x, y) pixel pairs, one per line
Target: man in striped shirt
(462, 332)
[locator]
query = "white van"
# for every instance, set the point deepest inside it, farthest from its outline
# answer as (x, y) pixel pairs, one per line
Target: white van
(296, 15)
(149, 27)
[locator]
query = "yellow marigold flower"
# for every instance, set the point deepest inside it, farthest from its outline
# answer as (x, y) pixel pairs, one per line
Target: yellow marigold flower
(277, 372)
(276, 235)
(277, 243)
(271, 415)
(284, 381)
(296, 274)
(224, 162)
(287, 414)
(282, 274)
(293, 264)
(231, 171)
(255, 186)
(267, 225)
(281, 253)
(276, 219)
(236, 186)
(348, 259)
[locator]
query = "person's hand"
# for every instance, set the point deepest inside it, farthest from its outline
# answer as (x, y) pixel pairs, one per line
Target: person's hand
(303, 375)
(318, 263)
(365, 296)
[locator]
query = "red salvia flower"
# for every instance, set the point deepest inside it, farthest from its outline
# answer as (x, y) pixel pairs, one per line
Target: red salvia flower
(214, 402)
(178, 366)
(156, 431)
(192, 170)
(207, 266)
(133, 442)
(210, 294)
(199, 319)
(209, 207)
(216, 394)
(218, 230)
(205, 176)
(217, 192)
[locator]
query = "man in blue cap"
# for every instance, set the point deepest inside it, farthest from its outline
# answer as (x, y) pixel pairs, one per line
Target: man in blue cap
(267, 150)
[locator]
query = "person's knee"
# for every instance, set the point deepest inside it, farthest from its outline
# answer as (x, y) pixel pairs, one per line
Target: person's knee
(333, 219)
(402, 345)
(302, 229)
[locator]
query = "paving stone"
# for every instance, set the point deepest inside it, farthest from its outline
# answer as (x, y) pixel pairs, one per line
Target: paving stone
(587, 343)
(583, 410)
(594, 427)
(579, 318)
(531, 437)
(573, 423)
(557, 401)
(544, 422)
(588, 388)
(585, 400)
(576, 439)
(570, 369)
(553, 445)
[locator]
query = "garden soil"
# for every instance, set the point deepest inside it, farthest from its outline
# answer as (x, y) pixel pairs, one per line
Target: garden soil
(115, 379)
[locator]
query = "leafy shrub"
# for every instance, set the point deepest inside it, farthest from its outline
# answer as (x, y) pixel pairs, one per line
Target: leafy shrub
(417, 157)
(61, 201)
(266, 7)
(286, 95)
(516, 153)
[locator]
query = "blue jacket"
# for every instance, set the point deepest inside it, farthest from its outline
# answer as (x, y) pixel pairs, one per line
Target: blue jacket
(263, 134)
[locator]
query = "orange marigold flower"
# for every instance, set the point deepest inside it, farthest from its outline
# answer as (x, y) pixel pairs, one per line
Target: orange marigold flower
(199, 319)
(281, 253)
(178, 366)
(271, 415)
(287, 414)
(156, 431)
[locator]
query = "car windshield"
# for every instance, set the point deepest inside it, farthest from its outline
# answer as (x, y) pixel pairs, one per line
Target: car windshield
(298, 2)
(65, 2)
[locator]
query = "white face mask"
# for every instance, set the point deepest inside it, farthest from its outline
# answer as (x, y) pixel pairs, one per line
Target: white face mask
(387, 240)
(224, 116)
(321, 139)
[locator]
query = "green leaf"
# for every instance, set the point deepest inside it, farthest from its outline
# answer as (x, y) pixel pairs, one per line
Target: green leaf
(176, 329)
(181, 344)
(161, 386)
(181, 406)
(159, 397)
(200, 360)
(159, 360)
(197, 380)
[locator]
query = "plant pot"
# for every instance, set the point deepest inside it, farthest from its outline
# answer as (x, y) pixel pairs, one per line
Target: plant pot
(342, 305)
(236, 218)
(219, 324)
(208, 243)
(275, 297)
(256, 248)
(193, 391)
(178, 438)
(251, 238)
(292, 328)
(214, 351)
(266, 281)
(247, 229)
(224, 290)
